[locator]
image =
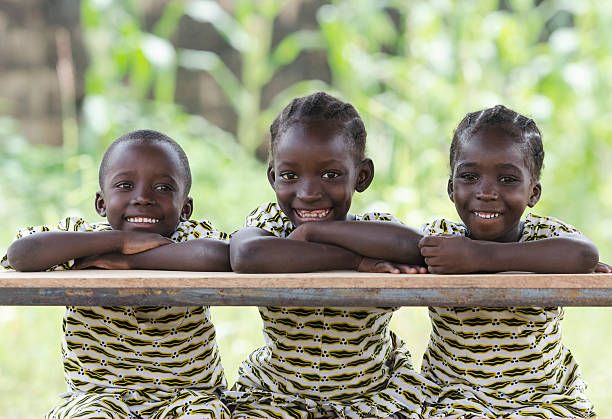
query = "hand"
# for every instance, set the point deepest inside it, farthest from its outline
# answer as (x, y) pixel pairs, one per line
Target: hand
(104, 261)
(384, 266)
(299, 233)
(448, 254)
(603, 268)
(136, 242)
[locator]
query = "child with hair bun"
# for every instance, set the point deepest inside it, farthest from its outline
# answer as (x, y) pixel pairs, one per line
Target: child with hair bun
(135, 362)
(502, 362)
(325, 362)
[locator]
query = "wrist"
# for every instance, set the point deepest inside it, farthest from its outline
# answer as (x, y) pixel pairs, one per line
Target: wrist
(487, 256)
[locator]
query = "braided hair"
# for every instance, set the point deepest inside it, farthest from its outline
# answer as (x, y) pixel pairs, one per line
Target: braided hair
(522, 129)
(321, 107)
(147, 137)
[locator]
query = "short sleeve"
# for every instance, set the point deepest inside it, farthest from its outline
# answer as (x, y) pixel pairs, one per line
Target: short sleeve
(270, 217)
(537, 227)
(443, 226)
(378, 216)
(198, 229)
(75, 224)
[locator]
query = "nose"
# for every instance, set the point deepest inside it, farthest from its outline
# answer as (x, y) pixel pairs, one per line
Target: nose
(143, 196)
(309, 191)
(487, 190)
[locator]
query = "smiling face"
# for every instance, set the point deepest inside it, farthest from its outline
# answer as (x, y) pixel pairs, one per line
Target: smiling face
(144, 189)
(491, 185)
(314, 172)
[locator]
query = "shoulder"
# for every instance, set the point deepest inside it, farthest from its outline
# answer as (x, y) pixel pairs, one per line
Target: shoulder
(270, 217)
(198, 229)
(537, 227)
(378, 216)
(77, 224)
(444, 226)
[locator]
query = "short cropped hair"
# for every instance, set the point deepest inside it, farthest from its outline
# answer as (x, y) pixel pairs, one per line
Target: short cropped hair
(147, 137)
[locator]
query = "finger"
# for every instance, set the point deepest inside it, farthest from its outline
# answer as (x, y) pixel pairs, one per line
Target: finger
(386, 267)
(407, 269)
(437, 270)
(428, 241)
(432, 261)
(603, 268)
(429, 251)
(421, 269)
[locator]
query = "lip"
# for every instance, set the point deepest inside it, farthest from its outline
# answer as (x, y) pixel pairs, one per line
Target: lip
(314, 214)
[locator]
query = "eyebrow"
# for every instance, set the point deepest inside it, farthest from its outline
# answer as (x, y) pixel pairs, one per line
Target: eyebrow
(132, 172)
(505, 166)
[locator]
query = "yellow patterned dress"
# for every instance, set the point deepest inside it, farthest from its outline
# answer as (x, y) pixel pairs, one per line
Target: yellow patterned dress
(504, 362)
(139, 362)
(326, 362)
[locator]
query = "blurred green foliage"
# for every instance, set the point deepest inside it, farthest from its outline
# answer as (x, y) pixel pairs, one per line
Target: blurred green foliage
(412, 69)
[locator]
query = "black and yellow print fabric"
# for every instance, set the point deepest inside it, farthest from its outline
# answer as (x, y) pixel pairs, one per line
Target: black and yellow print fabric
(326, 362)
(503, 362)
(144, 358)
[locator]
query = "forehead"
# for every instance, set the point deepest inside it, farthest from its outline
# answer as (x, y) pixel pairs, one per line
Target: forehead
(324, 136)
(149, 157)
(492, 144)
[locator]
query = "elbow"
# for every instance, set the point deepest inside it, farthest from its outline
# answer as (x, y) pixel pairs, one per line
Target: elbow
(19, 256)
(588, 259)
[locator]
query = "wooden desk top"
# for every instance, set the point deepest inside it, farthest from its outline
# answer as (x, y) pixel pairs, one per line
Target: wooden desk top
(336, 288)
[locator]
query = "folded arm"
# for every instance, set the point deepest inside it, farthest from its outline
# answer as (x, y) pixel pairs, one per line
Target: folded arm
(44, 250)
(457, 254)
(253, 250)
(193, 255)
(375, 239)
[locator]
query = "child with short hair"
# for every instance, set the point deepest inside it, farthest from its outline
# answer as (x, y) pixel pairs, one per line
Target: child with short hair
(135, 362)
(325, 362)
(509, 362)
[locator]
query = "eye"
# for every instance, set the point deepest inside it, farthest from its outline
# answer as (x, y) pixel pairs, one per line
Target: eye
(124, 185)
(330, 174)
(164, 188)
(468, 176)
(288, 176)
(508, 179)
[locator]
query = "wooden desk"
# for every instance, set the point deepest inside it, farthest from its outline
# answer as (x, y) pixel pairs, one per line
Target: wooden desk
(338, 288)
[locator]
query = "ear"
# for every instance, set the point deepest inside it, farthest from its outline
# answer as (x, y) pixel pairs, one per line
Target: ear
(187, 209)
(536, 192)
(450, 190)
(365, 175)
(100, 204)
(271, 175)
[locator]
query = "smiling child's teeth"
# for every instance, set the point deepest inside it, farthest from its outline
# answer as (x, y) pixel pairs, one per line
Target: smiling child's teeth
(487, 215)
(142, 220)
(313, 214)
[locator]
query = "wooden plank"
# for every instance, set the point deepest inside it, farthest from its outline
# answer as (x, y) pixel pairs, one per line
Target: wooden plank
(338, 288)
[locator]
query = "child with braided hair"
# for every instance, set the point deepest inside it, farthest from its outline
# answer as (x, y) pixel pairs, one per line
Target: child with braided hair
(502, 362)
(325, 362)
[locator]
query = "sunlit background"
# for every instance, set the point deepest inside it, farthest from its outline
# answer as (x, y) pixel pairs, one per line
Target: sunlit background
(212, 75)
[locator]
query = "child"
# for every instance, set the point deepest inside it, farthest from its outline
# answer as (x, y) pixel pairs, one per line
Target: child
(322, 362)
(128, 362)
(497, 362)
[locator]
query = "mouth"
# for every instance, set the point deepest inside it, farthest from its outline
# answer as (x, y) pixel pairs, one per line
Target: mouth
(142, 220)
(486, 214)
(313, 215)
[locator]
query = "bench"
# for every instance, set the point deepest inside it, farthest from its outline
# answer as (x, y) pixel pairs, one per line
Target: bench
(345, 288)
